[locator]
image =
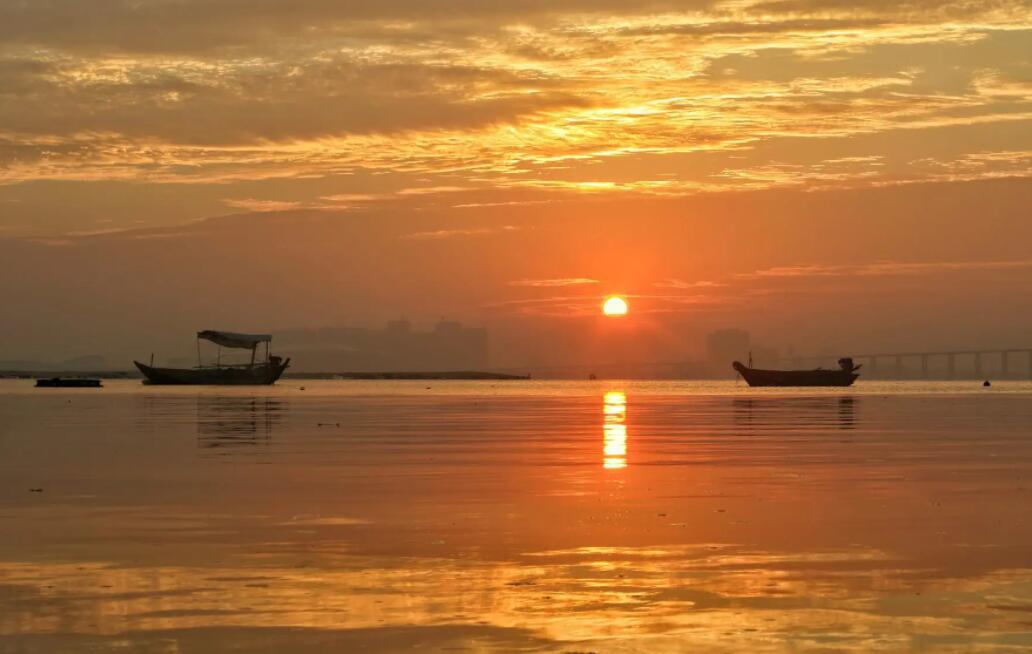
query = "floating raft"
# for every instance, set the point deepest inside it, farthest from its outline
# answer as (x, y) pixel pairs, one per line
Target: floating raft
(62, 382)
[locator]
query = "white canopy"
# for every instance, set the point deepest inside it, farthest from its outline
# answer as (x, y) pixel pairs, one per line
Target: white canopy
(232, 339)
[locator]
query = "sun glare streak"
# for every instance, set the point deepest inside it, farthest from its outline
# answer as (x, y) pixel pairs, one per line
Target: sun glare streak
(614, 430)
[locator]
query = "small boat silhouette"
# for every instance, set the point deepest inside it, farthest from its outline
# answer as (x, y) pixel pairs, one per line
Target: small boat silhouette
(255, 373)
(844, 376)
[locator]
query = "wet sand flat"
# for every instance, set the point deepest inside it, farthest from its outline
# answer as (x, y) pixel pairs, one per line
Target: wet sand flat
(524, 516)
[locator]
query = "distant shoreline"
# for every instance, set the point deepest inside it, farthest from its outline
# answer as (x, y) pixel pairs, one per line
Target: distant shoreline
(457, 374)
(48, 374)
(395, 376)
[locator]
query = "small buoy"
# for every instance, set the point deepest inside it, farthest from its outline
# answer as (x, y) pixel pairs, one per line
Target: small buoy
(986, 383)
(302, 388)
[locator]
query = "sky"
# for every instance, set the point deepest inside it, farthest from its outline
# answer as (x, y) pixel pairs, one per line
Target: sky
(840, 174)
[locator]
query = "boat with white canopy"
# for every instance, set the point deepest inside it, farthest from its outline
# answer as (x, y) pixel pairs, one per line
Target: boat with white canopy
(257, 372)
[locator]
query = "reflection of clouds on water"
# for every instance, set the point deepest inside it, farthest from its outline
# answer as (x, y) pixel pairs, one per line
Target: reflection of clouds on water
(747, 524)
(775, 413)
(705, 597)
(614, 430)
(237, 421)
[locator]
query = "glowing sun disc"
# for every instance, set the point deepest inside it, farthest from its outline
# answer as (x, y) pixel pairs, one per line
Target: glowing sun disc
(615, 306)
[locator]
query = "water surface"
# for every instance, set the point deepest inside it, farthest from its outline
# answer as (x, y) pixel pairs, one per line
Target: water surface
(526, 516)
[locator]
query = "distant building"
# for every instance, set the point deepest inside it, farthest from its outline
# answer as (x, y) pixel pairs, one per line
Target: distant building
(449, 346)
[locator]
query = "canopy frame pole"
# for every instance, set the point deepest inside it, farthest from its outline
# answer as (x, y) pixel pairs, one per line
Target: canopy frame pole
(218, 356)
(253, 350)
(199, 353)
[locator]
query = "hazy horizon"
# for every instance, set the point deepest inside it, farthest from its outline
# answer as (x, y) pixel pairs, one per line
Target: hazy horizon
(795, 279)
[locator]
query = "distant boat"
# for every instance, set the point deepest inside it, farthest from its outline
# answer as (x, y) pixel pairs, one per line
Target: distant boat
(68, 382)
(844, 376)
(255, 373)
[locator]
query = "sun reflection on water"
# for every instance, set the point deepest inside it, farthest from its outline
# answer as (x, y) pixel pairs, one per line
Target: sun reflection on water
(614, 430)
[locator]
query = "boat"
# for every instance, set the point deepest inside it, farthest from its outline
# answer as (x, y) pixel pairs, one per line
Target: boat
(255, 373)
(844, 376)
(68, 382)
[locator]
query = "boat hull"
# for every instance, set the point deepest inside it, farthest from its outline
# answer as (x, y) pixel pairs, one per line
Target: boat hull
(757, 377)
(259, 375)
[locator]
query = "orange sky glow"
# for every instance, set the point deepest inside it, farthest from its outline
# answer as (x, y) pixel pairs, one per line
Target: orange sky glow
(843, 173)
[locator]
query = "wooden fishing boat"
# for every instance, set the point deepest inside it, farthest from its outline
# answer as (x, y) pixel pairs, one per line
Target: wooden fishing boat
(844, 376)
(255, 373)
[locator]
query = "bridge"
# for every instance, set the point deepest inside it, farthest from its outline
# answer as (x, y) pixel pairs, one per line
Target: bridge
(1006, 363)
(893, 364)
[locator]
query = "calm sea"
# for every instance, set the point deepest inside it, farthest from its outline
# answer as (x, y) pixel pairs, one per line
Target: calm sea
(516, 516)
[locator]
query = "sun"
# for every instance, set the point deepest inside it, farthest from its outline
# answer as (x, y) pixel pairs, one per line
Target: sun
(614, 306)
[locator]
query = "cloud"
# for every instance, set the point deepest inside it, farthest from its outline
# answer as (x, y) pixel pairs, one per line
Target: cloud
(590, 305)
(995, 84)
(736, 28)
(154, 26)
(884, 268)
(252, 204)
(506, 203)
(352, 198)
(741, 288)
(433, 190)
(248, 102)
(520, 102)
(441, 234)
(683, 285)
(554, 283)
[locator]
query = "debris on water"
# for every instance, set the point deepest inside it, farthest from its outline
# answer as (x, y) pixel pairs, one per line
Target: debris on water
(302, 388)
(986, 383)
(35, 490)
(661, 515)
